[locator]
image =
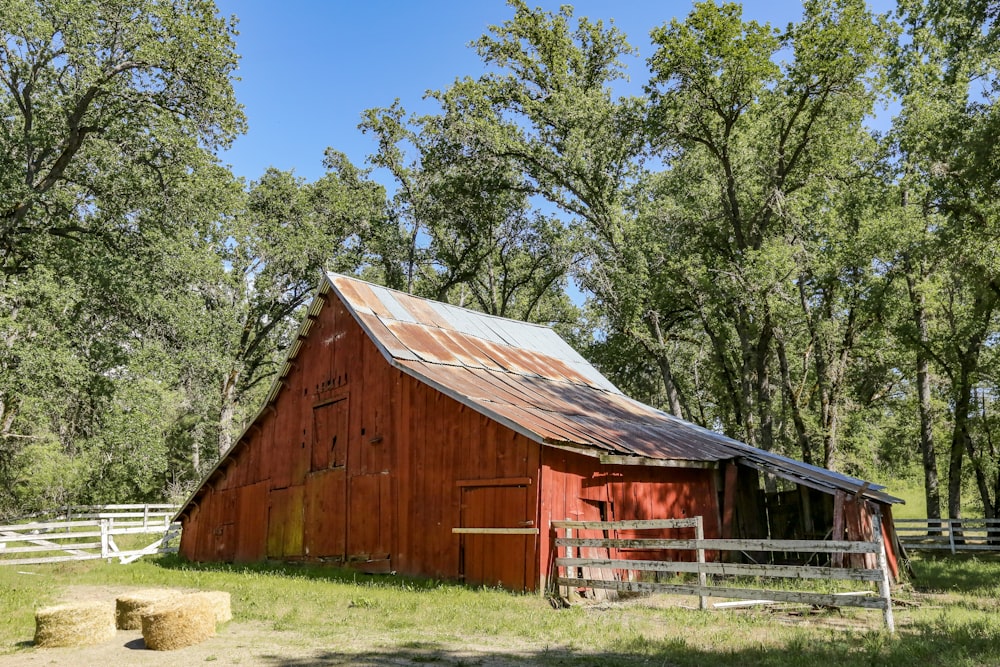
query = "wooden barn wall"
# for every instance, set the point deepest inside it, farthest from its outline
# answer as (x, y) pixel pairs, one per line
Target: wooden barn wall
(358, 463)
(458, 468)
(580, 488)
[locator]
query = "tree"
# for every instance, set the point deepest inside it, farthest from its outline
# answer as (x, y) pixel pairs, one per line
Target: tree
(469, 233)
(945, 74)
(99, 99)
(752, 146)
(286, 233)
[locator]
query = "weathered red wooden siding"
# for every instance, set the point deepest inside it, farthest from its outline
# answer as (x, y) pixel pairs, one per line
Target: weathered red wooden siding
(357, 462)
(575, 486)
(458, 468)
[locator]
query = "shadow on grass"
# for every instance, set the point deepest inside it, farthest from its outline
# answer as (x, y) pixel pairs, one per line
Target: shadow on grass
(961, 573)
(309, 571)
(924, 644)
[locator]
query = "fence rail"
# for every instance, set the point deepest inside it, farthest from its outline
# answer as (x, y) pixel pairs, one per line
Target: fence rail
(952, 534)
(607, 572)
(70, 533)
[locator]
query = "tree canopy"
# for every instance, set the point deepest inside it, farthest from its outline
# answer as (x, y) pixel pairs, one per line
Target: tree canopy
(787, 233)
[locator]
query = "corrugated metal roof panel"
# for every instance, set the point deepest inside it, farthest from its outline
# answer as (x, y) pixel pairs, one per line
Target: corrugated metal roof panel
(396, 310)
(527, 377)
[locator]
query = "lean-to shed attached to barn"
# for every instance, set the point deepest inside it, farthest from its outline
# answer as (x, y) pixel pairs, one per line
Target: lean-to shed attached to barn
(397, 420)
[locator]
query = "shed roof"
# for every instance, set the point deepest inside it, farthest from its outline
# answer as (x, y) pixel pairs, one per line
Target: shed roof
(528, 378)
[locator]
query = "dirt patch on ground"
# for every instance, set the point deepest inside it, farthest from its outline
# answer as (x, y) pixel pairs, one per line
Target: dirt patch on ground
(258, 644)
(249, 643)
(255, 643)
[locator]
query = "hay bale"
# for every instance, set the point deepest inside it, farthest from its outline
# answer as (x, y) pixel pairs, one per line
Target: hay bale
(129, 607)
(177, 622)
(221, 603)
(75, 624)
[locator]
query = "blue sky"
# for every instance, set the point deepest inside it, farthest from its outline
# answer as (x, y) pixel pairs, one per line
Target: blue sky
(309, 68)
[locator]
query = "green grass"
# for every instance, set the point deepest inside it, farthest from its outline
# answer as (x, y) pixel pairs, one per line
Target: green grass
(911, 491)
(397, 619)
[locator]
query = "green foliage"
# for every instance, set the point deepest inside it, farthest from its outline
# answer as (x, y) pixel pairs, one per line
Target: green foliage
(754, 257)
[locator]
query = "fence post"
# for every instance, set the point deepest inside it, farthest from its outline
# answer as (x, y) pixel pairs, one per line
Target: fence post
(951, 535)
(570, 571)
(699, 534)
(145, 516)
(104, 538)
(884, 590)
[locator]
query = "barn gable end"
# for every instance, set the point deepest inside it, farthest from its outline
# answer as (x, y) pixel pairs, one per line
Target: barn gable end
(398, 425)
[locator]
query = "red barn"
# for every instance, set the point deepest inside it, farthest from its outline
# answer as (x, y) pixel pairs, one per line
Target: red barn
(397, 420)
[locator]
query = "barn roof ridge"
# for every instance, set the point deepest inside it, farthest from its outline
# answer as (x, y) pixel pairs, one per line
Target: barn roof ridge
(332, 275)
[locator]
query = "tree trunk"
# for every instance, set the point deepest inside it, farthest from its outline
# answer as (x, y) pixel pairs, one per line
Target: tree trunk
(959, 439)
(673, 396)
(764, 392)
(801, 434)
(228, 412)
(932, 491)
(663, 363)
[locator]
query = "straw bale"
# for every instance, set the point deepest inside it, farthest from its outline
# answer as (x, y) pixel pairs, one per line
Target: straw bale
(129, 606)
(75, 624)
(177, 622)
(221, 603)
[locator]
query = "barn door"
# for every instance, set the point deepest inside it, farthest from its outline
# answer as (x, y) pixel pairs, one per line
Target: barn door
(491, 558)
(285, 519)
(326, 484)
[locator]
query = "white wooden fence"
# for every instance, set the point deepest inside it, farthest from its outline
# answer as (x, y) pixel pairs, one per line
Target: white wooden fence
(606, 573)
(87, 533)
(952, 534)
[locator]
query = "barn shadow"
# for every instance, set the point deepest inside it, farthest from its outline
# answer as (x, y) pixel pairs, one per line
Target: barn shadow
(927, 643)
(316, 571)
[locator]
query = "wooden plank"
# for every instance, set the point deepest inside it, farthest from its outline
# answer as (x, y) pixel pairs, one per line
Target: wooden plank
(50, 536)
(958, 547)
(727, 569)
(610, 459)
(639, 524)
(495, 531)
(494, 481)
(883, 583)
(48, 526)
(800, 546)
(945, 522)
(820, 599)
(45, 547)
(729, 501)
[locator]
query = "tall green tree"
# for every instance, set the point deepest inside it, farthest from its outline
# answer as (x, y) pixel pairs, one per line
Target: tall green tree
(100, 98)
(286, 233)
(945, 73)
(752, 144)
(468, 232)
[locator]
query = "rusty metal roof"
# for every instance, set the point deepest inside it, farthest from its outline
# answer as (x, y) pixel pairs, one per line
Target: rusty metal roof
(528, 378)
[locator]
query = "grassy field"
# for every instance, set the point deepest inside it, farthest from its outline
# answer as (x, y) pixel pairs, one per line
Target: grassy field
(309, 615)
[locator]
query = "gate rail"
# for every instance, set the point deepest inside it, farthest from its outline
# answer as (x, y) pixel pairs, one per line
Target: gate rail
(611, 569)
(952, 534)
(88, 533)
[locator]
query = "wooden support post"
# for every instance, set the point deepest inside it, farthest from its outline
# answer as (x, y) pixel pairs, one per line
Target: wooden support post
(570, 571)
(699, 534)
(729, 502)
(951, 535)
(839, 498)
(104, 537)
(884, 591)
